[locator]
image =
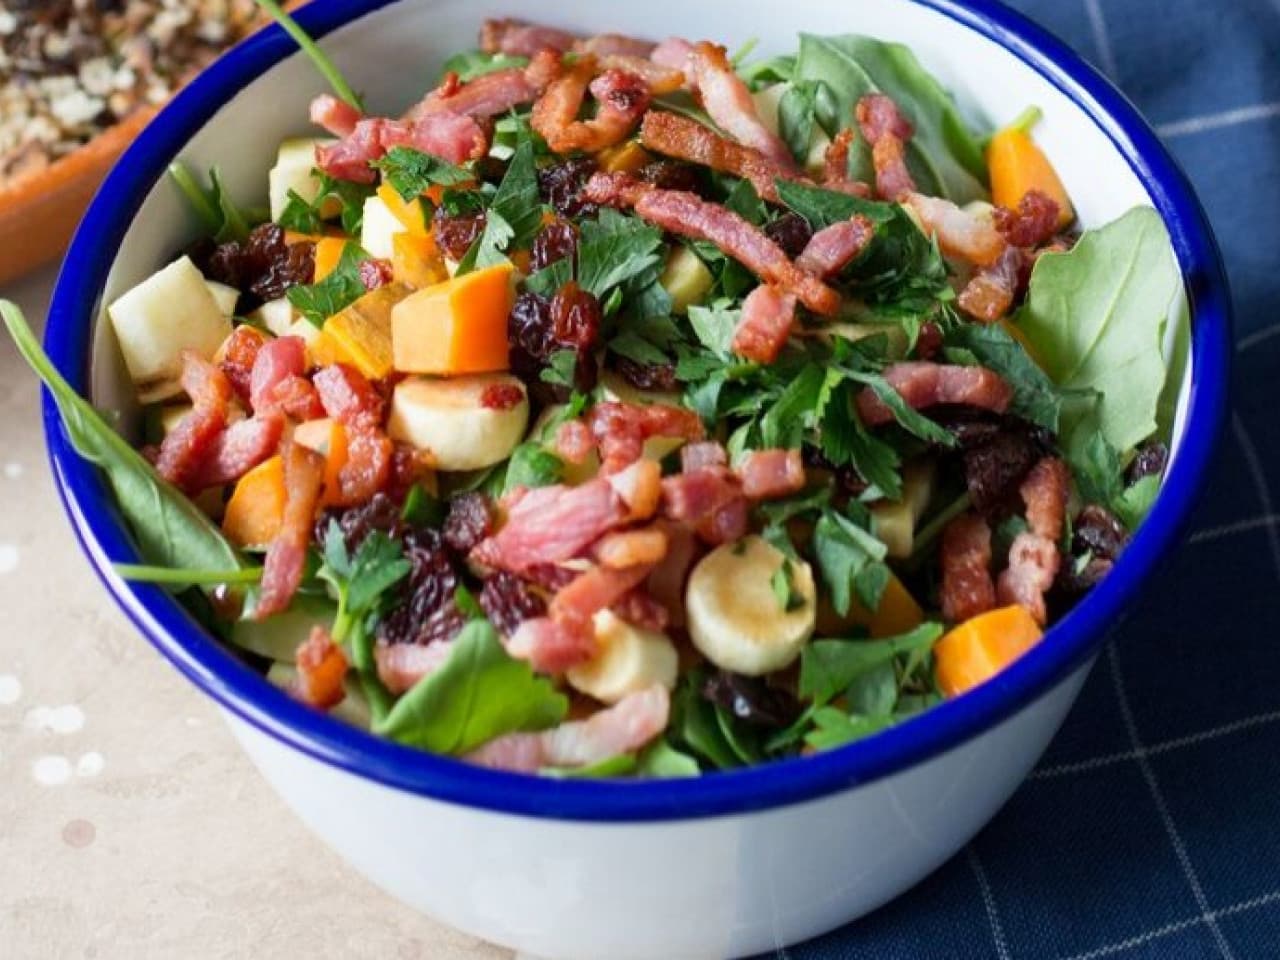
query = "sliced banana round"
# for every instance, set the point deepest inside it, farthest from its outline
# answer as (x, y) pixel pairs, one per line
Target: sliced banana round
(750, 607)
(461, 423)
(630, 659)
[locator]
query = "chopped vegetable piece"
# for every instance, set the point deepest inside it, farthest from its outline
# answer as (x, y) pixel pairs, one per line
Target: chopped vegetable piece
(256, 508)
(361, 333)
(1018, 166)
(982, 646)
(459, 326)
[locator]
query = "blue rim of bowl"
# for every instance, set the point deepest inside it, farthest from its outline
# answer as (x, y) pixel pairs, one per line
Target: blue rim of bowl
(1067, 645)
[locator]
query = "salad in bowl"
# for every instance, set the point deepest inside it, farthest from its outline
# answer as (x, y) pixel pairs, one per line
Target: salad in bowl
(629, 409)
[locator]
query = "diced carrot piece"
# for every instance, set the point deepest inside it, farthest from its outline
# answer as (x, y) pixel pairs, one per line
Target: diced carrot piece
(361, 333)
(982, 646)
(898, 611)
(408, 212)
(416, 261)
(328, 253)
(624, 158)
(256, 508)
(1018, 166)
(459, 326)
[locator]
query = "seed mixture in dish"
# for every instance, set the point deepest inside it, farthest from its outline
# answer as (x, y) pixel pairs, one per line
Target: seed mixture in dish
(631, 409)
(70, 69)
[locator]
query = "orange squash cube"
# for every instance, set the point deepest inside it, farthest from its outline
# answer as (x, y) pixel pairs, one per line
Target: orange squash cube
(982, 646)
(328, 253)
(408, 212)
(256, 508)
(455, 327)
(416, 261)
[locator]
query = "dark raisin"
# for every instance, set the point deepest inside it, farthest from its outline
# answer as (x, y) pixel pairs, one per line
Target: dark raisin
(1150, 461)
(454, 234)
(672, 175)
(929, 342)
(997, 452)
(426, 610)
(469, 521)
(1078, 576)
(381, 512)
(1097, 531)
(847, 477)
(508, 601)
(751, 700)
(560, 185)
(490, 169)
(529, 333)
(263, 267)
(791, 232)
(556, 241)
(575, 317)
(647, 376)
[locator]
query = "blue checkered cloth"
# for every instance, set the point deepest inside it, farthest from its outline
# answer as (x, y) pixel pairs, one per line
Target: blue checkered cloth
(1151, 829)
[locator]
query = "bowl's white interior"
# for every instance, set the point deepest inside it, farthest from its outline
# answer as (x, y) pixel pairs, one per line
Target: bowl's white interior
(393, 56)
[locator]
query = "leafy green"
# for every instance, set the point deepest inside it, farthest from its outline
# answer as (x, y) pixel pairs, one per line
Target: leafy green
(422, 508)
(171, 531)
(797, 116)
(410, 172)
(1034, 396)
(469, 64)
(650, 340)
(829, 667)
(1095, 318)
(660, 760)
(327, 68)
(145, 573)
(348, 196)
(850, 560)
(222, 219)
(480, 692)
(902, 271)
(694, 723)
(1099, 475)
(618, 766)
(514, 215)
(612, 250)
(1134, 502)
(714, 325)
(944, 157)
(341, 288)
(560, 368)
(834, 728)
(822, 207)
(532, 465)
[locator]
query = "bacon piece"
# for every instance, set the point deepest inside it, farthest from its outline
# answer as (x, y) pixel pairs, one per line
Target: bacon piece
(553, 646)
(833, 248)
(629, 548)
(1033, 223)
(699, 456)
(594, 590)
(1045, 492)
(639, 487)
(366, 470)
(768, 313)
(769, 474)
(621, 429)
(711, 501)
(639, 608)
(574, 442)
(237, 450)
(186, 446)
(659, 79)
(336, 116)
(322, 670)
(960, 233)
(887, 130)
(493, 93)
(990, 292)
(516, 38)
(348, 396)
(675, 136)
(924, 384)
(835, 167)
(287, 556)
(401, 665)
(666, 581)
(878, 117)
(1033, 565)
(295, 397)
(238, 357)
(615, 45)
(552, 524)
(623, 98)
(625, 727)
(274, 361)
(441, 133)
(728, 101)
(673, 52)
(967, 589)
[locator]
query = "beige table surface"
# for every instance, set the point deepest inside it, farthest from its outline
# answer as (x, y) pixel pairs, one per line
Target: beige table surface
(131, 826)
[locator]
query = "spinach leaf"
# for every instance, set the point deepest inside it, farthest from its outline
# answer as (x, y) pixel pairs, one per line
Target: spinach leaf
(171, 531)
(1034, 396)
(944, 157)
(796, 116)
(821, 207)
(1135, 501)
(1095, 318)
(834, 728)
(660, 760)
(480, 692)
(341, 288)
(411, 172)
(694, 723)
(622, 765)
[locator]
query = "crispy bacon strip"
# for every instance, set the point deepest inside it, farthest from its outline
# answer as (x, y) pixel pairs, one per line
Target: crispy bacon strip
(443, 134)
(630, 548)
(887, 130)
(675, 136)
(1033, 223)
(366, 470)
(627, 726)
(960, 233)
(835, 166)
(690, 216)
(661, 80)
(621, 429)
(237, 450)
(991, 290)
(699, 456)
(275, 361)
(769, 474)
(614, 45)
(553, 646)
(640, 608)
(967, 589)
(728, 101)
(574, 442)
(187, 445)
(322, 669)
(348, 396)
(639, 486)
(768, 313)
(492, 93)
(336, 116)
(594, 590)
(1033, 565)
(710, 501)
(833, 248)
(516, 38)
(925, 384)
(287, 555)
(673, 52)
(401, 665)
(623, 98)
(1045, 492)
(552, 524)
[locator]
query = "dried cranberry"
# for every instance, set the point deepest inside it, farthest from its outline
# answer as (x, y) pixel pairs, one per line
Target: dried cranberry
(426, 611)
(375, 273)
(791, 232)
(751, 700)
(1097, 531)
(356, 523)
(672, 175)
(469, 521)
(647, 376)
(529, 332)
(1150, 461)
(929, 342)
(556, 241)
(454, 234)
(508, 601)
(560, 185)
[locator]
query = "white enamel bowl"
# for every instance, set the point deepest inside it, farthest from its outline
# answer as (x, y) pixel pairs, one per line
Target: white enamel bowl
(729, 864)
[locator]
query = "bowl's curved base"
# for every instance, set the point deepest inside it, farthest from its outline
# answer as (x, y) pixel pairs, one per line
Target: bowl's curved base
(702, 889)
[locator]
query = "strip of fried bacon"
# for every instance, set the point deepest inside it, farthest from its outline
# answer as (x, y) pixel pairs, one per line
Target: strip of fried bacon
(770, 474)
(287, 556)
(1034, 557)
(322, 670)
(444, 134)
(520, 38)
(991, 290)
(690, 216)
(675, 136)
(401, 665)
(348, 396)
(630, 548)
(925, 384)
(623, 728)
(622, 97)
(237, 450)
(833, 248)
(960, 233)
(768, 313)
(660, 80)
(728, 102)
(336, 116)
(186, 446)
(835, 166)
(491, 94)
(887, 131)
(621, 429)
(710, 501)
(967, 589)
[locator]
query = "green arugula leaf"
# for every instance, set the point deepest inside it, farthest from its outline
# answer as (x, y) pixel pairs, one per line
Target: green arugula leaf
(1095, 318)
(411, 172)
(341, 288)
(480, 692)
(1035, 398)
(624, 764)
(660, 760)
(834, 728)
(532, 465)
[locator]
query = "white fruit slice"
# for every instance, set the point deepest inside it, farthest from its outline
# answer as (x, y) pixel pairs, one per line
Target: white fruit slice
(294, 163)
(379, 228)
(737, 617)
(276, 315)
(630, 659)
(448, 420)
(169, 312)
(226, 297)
(894, 522)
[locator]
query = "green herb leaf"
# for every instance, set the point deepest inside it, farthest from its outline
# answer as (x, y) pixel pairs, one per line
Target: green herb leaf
(480, 692)
(844, 551)
(622, 765)
(341, 288)
(694, 723)
(411, 172)
(660, 760)
(1133, 505)
(560, 369)
(714, 325)
(532, 465)
(222, 219)
(834, 728)
(1034, 396)
(822, 208)
(327, 68)
(469, 64)
(516, 204)
(613, 249)
(829, 667)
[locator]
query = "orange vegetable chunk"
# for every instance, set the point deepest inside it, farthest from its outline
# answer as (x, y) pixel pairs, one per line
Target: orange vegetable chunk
(982, 646)
(1018, 166)
(455, 327)
(409, 212)
(328, 253)
(256, 508)
(416, 261)
(360, 334)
